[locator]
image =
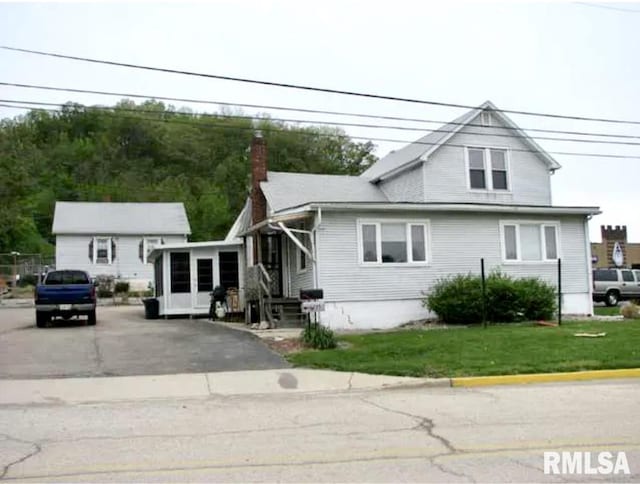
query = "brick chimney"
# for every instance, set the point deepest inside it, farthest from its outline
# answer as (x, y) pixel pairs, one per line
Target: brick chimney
(258, 174)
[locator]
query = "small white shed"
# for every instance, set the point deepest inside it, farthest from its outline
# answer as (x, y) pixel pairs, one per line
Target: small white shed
(185, 274)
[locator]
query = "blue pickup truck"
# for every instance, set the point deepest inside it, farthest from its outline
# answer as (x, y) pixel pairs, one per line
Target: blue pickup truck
(65, 294)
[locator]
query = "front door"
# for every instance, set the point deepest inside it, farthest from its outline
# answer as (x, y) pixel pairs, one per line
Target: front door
(204, 282)
(271, 251)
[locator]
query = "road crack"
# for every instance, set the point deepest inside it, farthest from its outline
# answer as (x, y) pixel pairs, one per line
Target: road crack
(96, 346)
(36, 450)
(428, 426)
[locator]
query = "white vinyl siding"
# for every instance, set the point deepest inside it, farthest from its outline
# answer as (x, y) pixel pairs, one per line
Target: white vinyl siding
(446, 172)
(392, 241)
(529, 241)
(72, 252)
(457, 242)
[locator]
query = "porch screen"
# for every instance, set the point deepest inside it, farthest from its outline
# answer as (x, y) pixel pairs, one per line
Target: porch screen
(157, 270)
(205, 275)
(180, 272)
(229, 270)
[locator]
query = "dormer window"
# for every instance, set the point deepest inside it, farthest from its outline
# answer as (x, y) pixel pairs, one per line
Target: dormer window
(488, 169)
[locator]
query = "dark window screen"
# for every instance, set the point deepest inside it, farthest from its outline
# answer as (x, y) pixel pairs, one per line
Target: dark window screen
(157, 265)
(180, 272)
(205, 275)
(229, 269)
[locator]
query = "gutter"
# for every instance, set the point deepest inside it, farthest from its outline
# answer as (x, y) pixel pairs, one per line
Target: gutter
(442, 207)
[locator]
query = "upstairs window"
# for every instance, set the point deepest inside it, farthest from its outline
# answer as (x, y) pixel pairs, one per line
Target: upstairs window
(393, 242)
(488, 169)
(102, 250)
(529, 241)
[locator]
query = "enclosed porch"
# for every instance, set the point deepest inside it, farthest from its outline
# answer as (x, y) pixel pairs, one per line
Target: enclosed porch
(186, 274)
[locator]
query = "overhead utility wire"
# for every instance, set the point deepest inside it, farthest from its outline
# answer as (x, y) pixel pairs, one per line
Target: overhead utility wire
(306, 110)
(327, 123)
(307, 88)
(329, 135)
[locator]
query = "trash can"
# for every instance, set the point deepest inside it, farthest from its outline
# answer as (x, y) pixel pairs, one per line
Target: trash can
(151, 308)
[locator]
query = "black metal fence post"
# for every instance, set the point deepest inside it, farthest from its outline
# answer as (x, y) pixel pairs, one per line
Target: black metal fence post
(484, 294)
(559, 292)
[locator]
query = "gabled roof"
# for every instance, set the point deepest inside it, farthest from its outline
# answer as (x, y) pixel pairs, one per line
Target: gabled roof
(94, 218)
(286, 190)
(419, 150)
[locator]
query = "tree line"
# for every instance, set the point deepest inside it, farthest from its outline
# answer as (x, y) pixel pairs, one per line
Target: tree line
(149, 152)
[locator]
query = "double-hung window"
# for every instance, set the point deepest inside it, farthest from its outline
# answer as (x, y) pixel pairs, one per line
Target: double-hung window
(102, 250)
(488, 168)
(530, 241)
(394, 242)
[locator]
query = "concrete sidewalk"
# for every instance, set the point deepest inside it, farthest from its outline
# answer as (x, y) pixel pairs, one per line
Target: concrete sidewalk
(107, 389)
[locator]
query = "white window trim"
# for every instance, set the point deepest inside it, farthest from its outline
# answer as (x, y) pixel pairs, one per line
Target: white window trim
(95, 251)
(145, 252)
(408, 223)
(543, 245)
(488, 168)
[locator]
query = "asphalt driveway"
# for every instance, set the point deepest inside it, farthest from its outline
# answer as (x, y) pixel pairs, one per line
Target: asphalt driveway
(123, 343)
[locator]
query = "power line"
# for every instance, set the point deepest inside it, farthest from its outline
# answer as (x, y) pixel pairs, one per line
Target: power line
(332, 123)
(307, 88)
(305, 110)
(329, 135)
(608, 7)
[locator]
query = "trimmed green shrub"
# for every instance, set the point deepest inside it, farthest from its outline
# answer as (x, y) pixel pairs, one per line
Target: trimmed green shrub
(122, 287)
(319, 337)
(458, 299)
(538, 299)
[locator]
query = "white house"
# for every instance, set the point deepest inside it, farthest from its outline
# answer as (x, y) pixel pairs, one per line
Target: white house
(116, 238)
(478, 187)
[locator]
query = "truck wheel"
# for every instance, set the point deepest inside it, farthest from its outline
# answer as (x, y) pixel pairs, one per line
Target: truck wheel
(41, 320)
(91, 318)
(612, 298)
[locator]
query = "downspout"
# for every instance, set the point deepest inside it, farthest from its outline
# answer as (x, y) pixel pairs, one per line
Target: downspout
(314, 248)
(589, 263)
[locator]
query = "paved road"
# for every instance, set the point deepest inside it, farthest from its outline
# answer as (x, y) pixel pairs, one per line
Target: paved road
(494, 434)
(124, 343)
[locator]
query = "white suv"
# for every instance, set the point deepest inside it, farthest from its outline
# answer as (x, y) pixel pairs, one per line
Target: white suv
(613, 285)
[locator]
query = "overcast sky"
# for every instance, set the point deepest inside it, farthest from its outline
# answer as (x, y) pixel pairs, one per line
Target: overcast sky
(566, 58)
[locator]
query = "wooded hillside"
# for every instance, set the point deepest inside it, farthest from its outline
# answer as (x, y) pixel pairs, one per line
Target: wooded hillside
(148, 153)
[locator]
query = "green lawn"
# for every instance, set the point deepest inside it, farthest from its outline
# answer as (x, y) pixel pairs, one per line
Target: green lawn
(606, 311)
(497, 350)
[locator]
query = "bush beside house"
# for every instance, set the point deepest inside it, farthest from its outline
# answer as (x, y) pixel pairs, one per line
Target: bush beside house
(458, 299)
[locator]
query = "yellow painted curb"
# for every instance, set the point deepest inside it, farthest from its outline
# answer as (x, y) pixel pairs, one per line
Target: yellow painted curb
(477, 381)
